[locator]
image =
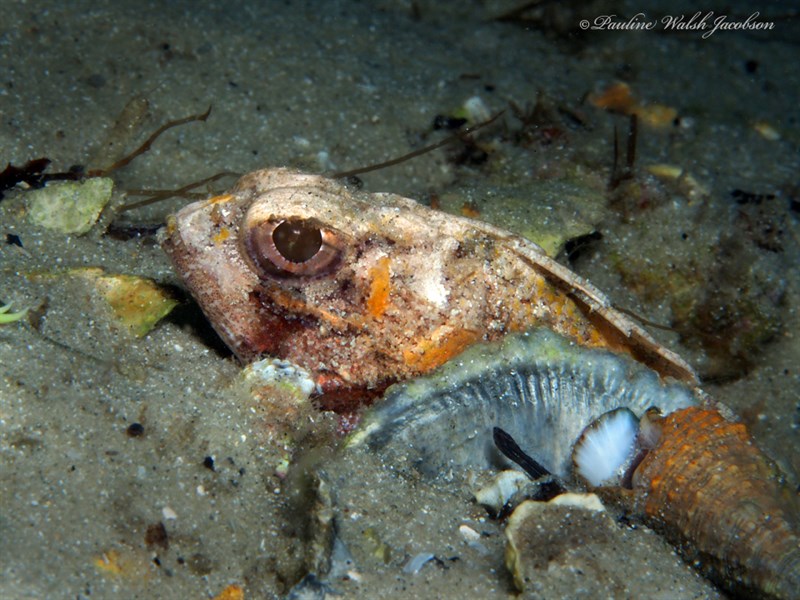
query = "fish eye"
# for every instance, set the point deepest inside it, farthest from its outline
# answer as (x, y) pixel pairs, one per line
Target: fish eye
(297, 241)
(291, 248)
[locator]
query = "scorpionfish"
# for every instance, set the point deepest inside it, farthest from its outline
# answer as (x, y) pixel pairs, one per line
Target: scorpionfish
(364, 290)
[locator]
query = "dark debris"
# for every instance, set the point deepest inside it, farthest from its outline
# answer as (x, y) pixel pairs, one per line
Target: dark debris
(13, 240)
(32, 173)
(156, 535)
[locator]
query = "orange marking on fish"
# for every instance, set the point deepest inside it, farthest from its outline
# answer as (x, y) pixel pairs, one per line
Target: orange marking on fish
(298, 306)
(224, 234)
(444, 344)
(219, 199)
(379, 288)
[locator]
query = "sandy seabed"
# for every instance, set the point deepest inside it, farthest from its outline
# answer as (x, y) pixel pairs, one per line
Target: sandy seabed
(199, 501)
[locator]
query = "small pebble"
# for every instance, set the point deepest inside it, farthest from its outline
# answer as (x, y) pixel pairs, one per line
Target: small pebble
(135, 430)
(415, 564)
(468, 533)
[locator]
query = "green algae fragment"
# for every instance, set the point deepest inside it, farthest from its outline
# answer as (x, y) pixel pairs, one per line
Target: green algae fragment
(69, 207)
(379, 548)
(9, 317)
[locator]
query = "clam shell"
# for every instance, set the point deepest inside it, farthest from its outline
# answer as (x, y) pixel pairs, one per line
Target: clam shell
(538, 386)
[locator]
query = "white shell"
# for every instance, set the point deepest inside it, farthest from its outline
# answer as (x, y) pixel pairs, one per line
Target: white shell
(605, 446)
(501, 489)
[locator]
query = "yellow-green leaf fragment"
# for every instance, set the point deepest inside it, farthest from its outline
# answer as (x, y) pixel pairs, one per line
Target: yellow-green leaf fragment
(69, 207)
(138, 303)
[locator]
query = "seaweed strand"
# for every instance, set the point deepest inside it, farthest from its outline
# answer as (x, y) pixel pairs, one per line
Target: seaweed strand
(415, 153)
(125, 160)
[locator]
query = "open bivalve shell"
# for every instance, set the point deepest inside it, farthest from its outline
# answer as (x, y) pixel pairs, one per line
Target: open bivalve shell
(540, 388)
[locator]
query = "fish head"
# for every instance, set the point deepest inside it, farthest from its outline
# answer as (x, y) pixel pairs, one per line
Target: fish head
(356, 288)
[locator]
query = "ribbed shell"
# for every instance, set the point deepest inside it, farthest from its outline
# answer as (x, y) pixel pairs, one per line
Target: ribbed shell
(538, 386)
(716, 496)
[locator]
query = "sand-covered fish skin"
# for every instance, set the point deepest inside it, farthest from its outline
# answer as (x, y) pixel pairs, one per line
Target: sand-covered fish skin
(367, 289)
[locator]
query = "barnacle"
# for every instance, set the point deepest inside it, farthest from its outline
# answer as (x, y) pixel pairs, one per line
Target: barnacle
(9, 317)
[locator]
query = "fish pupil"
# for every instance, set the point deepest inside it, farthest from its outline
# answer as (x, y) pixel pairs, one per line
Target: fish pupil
(297, 241)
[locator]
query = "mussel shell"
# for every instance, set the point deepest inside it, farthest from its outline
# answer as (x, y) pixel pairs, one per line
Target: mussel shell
(538, 386)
